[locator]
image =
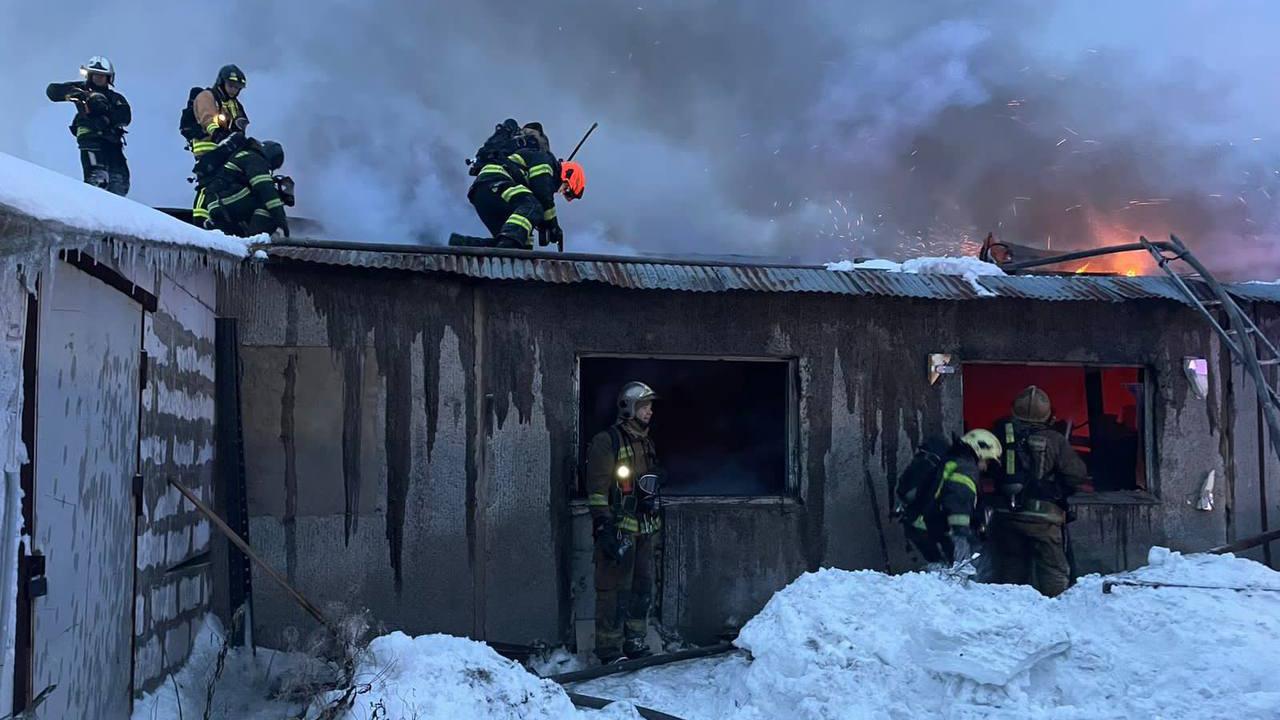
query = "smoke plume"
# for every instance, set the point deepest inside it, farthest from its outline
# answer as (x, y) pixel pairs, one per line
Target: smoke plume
(808, 130)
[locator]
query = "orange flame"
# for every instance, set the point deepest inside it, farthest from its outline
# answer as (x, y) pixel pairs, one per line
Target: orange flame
(1106, 231)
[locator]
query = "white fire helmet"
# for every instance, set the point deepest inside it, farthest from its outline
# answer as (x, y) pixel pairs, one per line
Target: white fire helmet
(99, 65)
(633, 393)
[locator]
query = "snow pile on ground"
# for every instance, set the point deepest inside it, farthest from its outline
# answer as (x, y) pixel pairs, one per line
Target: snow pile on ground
(441, 676)
(399, 678)
(47, 195)
(839, 644)
(970, 268)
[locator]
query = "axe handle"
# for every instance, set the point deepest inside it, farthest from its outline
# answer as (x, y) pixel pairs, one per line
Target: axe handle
(584, 139)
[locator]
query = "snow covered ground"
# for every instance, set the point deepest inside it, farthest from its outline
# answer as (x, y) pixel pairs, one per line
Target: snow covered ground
(401, 678)
(839, 644)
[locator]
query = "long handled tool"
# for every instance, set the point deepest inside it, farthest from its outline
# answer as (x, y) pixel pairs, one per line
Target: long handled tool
(1108, 584)
(584, 139)
(239, 542)
(641, 663)
(576, 148)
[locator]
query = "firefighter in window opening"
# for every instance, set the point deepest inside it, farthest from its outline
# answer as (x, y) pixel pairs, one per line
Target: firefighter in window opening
(517, 178)
(1040, 470)
(213, 117)
(623, 493)
(99, 124)
(937, 495)
(243, 197)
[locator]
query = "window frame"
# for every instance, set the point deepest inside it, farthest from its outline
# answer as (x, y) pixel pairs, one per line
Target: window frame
(1149, 495)
(792, 492)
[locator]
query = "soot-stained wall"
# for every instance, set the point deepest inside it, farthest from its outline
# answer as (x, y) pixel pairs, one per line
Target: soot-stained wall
(411, 438)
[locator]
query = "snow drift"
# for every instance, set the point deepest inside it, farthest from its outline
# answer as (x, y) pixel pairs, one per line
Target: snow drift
(399, 678)
(441, 676)
(839, 644)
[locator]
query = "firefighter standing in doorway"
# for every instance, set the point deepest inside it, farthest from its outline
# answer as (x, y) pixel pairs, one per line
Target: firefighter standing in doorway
(99, 124)
(1040, 471)
(622, 493)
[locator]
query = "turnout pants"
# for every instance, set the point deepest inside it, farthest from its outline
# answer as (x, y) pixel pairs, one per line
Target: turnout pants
(509, 211)
(105, 167)
(1030, 551)
(200, 208)
(933, 545)
(623, 593)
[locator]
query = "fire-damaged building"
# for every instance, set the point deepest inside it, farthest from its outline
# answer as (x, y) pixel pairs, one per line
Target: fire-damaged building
(414, 422)
(402, 430)
(106, 395)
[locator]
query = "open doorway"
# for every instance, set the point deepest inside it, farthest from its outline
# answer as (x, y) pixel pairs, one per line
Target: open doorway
(1102, 410)
(721, 427)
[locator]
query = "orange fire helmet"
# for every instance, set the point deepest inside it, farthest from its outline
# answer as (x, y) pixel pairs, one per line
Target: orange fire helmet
(574, 179)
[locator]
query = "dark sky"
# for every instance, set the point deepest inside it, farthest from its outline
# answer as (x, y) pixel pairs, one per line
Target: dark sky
(811, 130)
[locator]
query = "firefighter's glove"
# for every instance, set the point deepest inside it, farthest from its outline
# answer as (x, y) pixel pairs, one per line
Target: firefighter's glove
(285, 186)
(609, 540)
(963, 541)
(555, 235)
(241, 123)
(98, 104)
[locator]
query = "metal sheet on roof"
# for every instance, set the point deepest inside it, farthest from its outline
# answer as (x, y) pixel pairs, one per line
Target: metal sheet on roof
(1080, 287)
(642, 273)
(1257, 291)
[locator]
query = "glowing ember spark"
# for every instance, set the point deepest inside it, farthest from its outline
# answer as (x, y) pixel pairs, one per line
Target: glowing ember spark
(1130, 273)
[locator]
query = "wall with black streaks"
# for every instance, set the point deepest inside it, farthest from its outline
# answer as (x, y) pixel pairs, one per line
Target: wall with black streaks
(412, 438)
(358, 418)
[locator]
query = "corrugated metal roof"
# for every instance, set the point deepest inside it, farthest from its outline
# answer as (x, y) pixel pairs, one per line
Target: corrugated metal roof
(1257, 291)
(1083, 287)
(696, 276)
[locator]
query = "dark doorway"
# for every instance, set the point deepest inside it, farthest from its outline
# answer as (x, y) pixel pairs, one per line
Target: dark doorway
(22, 694)
(1102, 410)
(720, 427)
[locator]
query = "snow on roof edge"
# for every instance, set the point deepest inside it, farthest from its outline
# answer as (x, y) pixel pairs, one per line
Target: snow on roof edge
(46, 196)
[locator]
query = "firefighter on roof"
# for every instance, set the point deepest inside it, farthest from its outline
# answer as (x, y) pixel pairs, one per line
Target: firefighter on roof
(213, 116)
(244, 198)
(517, 178)
(99, 124)
(623, 494)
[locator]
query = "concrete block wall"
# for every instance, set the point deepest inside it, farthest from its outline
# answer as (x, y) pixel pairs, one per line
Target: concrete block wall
(174, 583)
